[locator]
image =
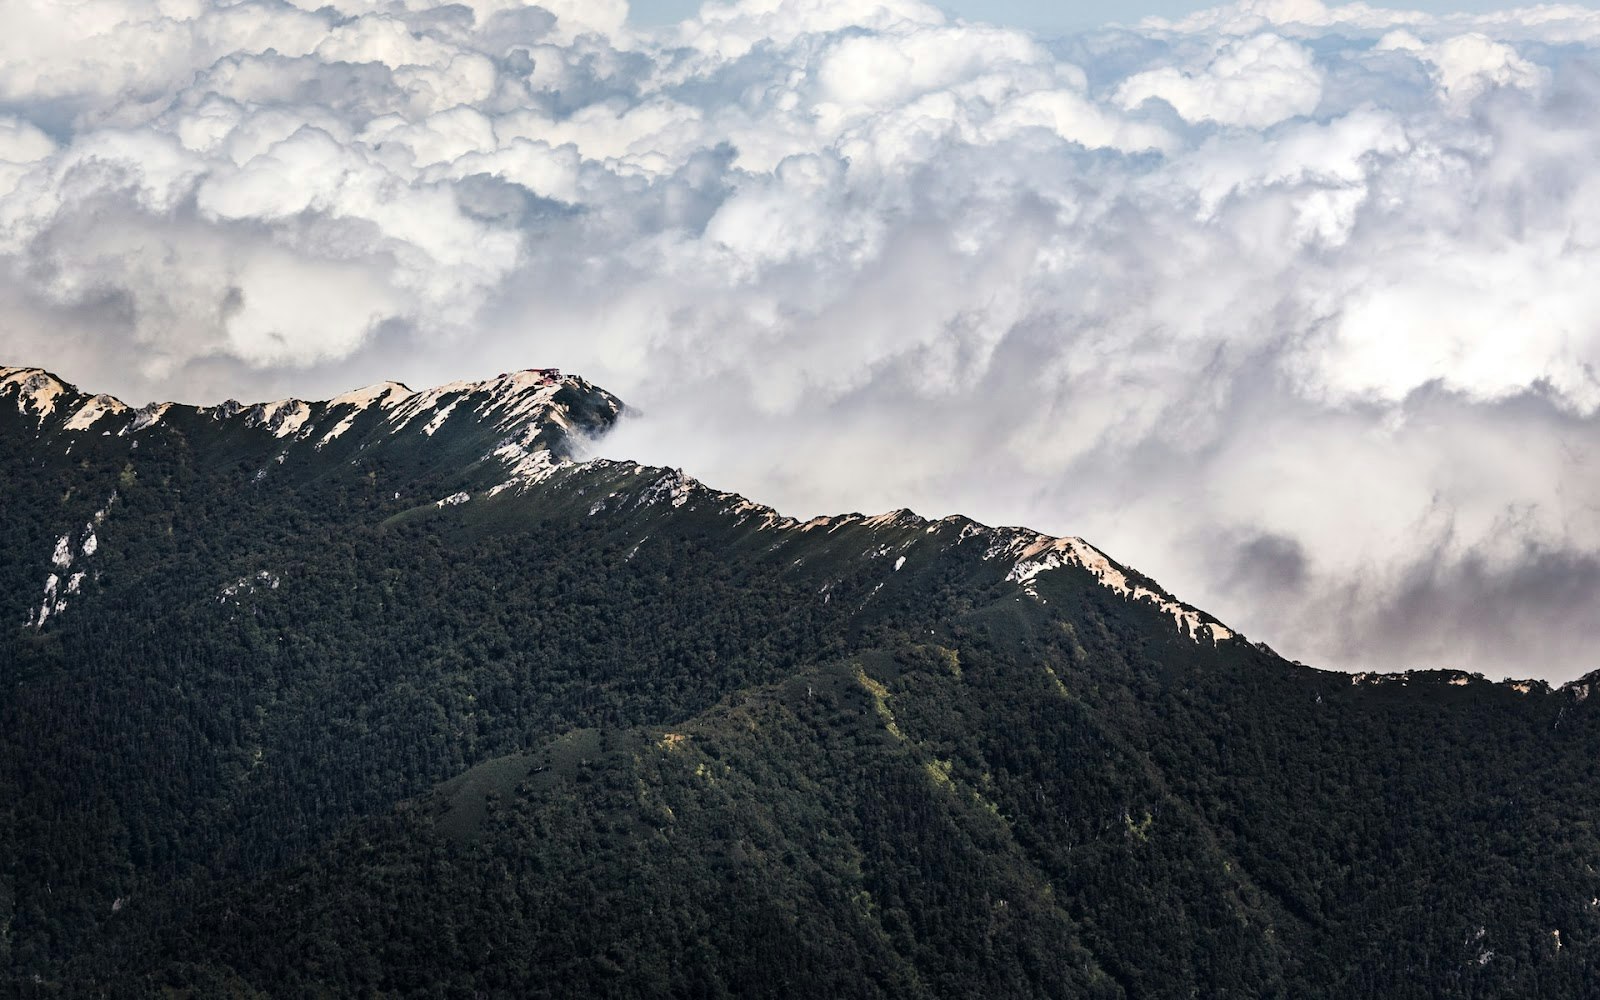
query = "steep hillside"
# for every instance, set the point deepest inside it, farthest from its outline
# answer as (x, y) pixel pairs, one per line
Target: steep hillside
(403, 694)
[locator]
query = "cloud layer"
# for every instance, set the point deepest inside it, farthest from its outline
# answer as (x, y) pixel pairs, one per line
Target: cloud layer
(1290, 306)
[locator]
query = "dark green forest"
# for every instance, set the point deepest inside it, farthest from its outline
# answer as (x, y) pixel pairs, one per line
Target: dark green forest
(464, 712)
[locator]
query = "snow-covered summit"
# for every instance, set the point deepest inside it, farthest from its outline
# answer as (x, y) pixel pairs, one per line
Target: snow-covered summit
(536, 406)
(35, 389)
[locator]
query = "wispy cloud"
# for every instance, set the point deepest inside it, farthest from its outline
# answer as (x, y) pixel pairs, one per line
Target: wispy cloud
(1288, 305)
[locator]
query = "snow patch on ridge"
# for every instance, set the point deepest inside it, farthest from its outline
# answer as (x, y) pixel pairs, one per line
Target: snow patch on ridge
(1043, 554)
(520, 397)
(672, 487)
(526, 466)
(282, 417)
(100, 406)
(387, 394)
(422, 402)
(146, 416)
(890, 518)
(37, 390)
(439, 418)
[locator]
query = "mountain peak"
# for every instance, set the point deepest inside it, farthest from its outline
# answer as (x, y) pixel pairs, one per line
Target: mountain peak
(376, 392)
(37, 390)
(529, 420)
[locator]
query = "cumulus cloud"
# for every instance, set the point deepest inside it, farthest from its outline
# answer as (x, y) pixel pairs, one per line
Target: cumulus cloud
(1256, 81)
(1286, 304)
(1464, 66)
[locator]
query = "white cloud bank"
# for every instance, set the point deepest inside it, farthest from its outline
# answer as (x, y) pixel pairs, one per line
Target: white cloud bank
(1290, 305)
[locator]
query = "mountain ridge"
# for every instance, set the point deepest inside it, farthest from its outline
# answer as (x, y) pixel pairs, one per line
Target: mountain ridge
(413, 713)
(526, 397)
(521, 403)
(522, 406)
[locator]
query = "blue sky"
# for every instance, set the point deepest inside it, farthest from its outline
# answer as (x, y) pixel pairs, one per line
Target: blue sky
(1057, 16)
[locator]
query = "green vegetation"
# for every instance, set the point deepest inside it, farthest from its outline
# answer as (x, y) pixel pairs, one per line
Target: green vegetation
(300, 731)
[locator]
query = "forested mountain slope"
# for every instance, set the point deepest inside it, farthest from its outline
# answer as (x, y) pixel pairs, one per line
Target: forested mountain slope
(398, 695)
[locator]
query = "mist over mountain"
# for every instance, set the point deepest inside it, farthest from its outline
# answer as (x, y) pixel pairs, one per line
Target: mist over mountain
(415, 693)
(1287, 302)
